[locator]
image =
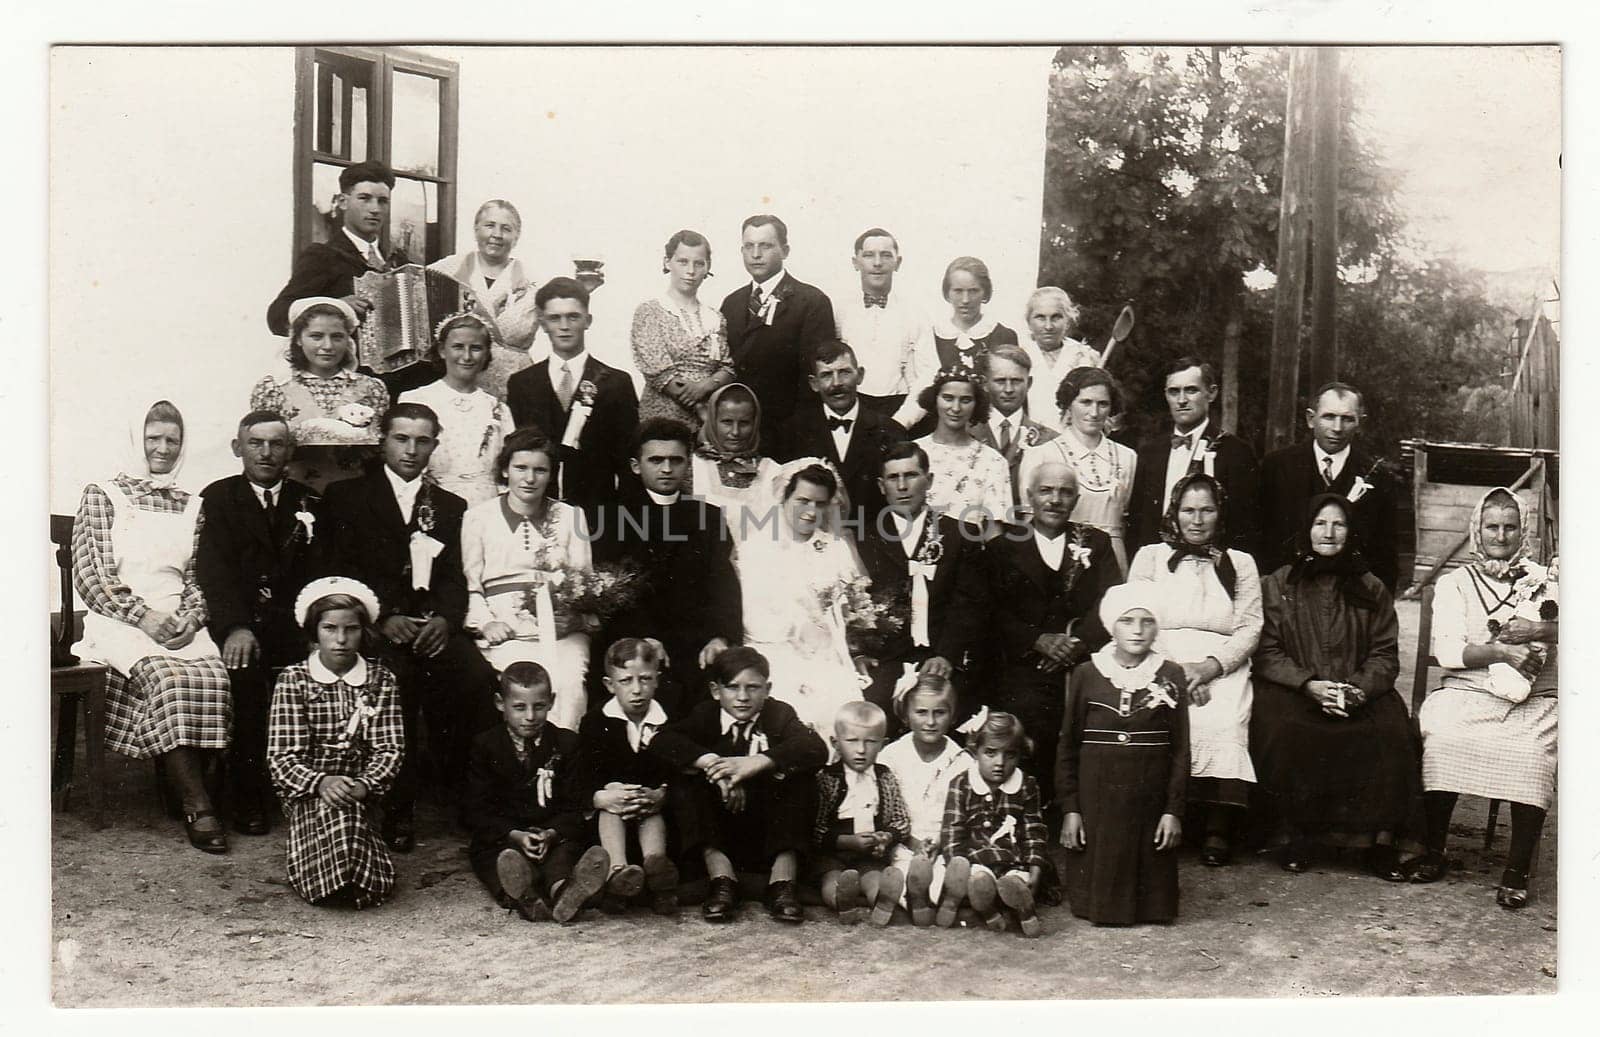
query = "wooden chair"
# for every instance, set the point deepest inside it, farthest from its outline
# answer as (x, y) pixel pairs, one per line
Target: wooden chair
(73, 683)
(1420, 686)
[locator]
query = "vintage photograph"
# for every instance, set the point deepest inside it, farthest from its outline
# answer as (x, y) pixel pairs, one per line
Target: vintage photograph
(914, 522)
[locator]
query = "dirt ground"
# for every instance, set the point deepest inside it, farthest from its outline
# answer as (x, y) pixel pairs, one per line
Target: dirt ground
(142, 920)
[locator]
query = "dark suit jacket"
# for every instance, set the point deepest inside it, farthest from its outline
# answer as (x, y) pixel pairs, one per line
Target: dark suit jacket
(1235, 468)
(372, 542)
(1289, 479)
(772, 360)
(502, 795)
(1013, 453)
(605, 756)
(322, 268)
(1038, 601)
(250, 574)
(587, 475)
(791, 745)
(957, 594)
(806, 434)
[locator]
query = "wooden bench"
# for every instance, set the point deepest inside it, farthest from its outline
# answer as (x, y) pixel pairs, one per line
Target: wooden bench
(76, 684)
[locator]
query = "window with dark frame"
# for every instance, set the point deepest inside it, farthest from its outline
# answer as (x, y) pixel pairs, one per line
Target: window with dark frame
(384, 104)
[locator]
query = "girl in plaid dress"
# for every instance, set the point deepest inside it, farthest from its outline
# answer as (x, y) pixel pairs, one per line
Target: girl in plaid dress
(993, 837)
(334, 744)
(133, 550)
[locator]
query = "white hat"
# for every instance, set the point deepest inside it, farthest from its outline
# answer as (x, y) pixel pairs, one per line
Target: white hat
(300, 306)
(335, 585)
(1118, 601)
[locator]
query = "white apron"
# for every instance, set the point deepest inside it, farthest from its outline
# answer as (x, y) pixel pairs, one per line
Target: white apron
(1219, 731)
(151, 550)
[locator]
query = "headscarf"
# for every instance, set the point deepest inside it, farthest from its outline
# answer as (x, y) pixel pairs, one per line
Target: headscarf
(1172, 535)
(134, 463)
(736, 469)
(1348, 566)
(1123, 598)
(1505, 570)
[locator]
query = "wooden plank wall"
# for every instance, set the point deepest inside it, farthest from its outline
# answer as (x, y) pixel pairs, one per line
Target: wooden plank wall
(1536, 391)
(1443, 513)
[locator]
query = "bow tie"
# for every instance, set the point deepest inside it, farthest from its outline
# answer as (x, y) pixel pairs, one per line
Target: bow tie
(880, 301)
(1187, 442)
(840, 424)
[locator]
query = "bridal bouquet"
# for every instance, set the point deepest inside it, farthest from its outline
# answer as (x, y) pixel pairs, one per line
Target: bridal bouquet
(604, 591)
(872, 620)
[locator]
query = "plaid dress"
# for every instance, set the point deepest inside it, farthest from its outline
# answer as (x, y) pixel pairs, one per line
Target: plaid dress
(319, 729)
(998, 828)
(160, 701)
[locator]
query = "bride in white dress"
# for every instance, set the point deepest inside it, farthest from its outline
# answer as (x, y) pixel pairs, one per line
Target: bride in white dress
(785, 573)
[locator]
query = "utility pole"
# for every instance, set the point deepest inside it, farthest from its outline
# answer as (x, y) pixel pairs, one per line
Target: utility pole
(1293, 217)
(1325, 217)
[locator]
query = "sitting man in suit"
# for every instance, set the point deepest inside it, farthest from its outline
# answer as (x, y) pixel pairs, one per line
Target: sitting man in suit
(330, 268)
(1050, 575)
(843, 431)
(259, 545)
(773, 323)
(691, 601)
(1197, 444)
(588, 408)
(935, 563)
(1331, 463)
(1010, 429)
(401, 536)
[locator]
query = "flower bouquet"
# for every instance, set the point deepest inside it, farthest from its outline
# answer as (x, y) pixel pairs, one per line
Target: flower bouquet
(603, 591)
(872, 620)
(1535, 599)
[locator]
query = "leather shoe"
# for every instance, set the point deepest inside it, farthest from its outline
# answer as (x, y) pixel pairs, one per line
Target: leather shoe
(1384, 862)
(211, 838)
(1293, 860)
(721, 900)
(251, 820)
(782, 904)
(1513, 891)
(1430, 867)
(398, 833)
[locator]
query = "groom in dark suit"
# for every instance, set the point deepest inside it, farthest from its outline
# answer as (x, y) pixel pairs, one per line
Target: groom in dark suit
(377, 519)
(1331, 462)
(909, 543)
(1009, 429)
(1196, 444)
(773, 323)
(553, 393)
(842, 431)
(259, 545)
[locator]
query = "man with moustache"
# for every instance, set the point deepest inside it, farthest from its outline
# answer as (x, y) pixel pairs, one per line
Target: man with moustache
(843, 430)
(1048, 577)
(890, 336)
(1010, 429)
(773, 323)
(1196, 444)
(691, 601)
(259, 544)
(933, 564)
(1332, 462)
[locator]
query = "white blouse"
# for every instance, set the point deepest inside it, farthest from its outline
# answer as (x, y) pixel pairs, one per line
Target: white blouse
(967, 478)
(472, 427)
(498, 545)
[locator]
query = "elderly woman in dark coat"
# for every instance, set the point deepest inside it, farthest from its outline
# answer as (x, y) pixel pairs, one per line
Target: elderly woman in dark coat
(1330, 737)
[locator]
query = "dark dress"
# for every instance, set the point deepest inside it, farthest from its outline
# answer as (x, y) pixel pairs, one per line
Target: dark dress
(1122, 771)
(1348, 782)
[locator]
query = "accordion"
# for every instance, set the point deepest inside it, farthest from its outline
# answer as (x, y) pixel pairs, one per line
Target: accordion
(407, 302)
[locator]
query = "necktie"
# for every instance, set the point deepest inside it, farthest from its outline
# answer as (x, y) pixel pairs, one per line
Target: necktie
(564, 390)
(741, 736)
(869, 300)
(1327, 470)
(1005, 434)
(1186, 442)
(374, 259)
(755, 301)
(839, 424)
(267, 503)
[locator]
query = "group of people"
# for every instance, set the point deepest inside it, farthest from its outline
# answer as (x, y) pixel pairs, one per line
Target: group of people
(831, 539)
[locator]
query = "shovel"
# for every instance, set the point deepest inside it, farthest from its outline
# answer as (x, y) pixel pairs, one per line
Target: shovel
(1119, 331)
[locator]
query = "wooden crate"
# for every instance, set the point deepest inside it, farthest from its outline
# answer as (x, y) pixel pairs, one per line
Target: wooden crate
(1448, 481)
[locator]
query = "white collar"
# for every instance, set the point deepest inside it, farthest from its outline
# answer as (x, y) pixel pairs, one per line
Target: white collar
(579, 360)
(663, 500)
(1053, 550)
(729, 720)
(1016, 418)
(355, 677)
(909, 529)
(1322, 455)
(944, 326)
(1198, 432)
(276, 489)
(770, 284)
(1083, 449)
(362, 245)
(1120, 676)
(1010, 786)
(639, 734)
(403, 490)
(853, 777)
(851, 415)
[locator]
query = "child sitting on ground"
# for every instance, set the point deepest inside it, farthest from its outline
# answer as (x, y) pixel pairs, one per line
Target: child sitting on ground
(861, 822)
(924, 761)
(993, 837)
(627, 785)
(1122, 770)
(751, 803)
(523, 807)
(334, 741)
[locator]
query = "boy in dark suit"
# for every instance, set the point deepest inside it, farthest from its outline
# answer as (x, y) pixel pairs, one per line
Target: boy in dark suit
(1196, 444)
(749, 800)
(523, 806)
(907, 545)
(1010, 429)
(1331, 463)
(259, 545)
(842, 430)
(589, 409)
(401, 536)
(773, 323)
(690, 602)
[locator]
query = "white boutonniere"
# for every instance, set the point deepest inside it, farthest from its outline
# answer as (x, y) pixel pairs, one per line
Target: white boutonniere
(1208, 460)
(578, 417)
(1007, 830)
(545, 779)
(424, 549)
(1080, 553)
(1358, 489)
(1161, 693)
(307, 521)
(932, 548)
(758, 743)
(769, 308)
(1030, 435)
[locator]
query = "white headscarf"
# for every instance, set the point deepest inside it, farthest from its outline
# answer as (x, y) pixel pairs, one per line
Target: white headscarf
(1497, 568)
(135, 464)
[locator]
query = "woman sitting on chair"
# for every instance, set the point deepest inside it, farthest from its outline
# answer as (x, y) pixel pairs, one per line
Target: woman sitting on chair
(133, 548)
(1491, 729)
